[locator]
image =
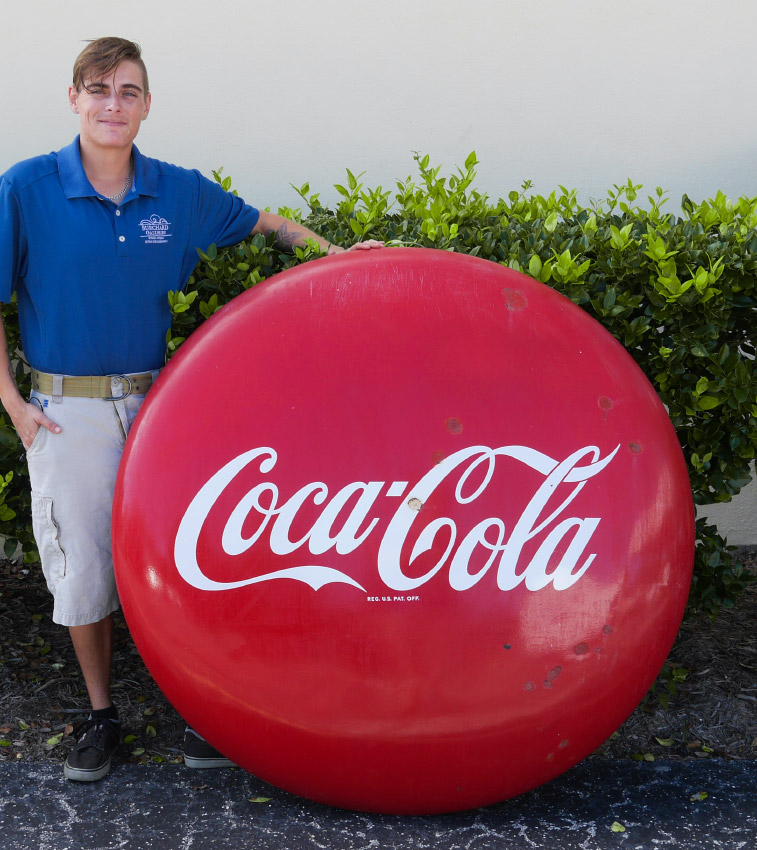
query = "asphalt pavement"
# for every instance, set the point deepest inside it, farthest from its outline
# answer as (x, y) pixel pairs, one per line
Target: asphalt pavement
(598, 804)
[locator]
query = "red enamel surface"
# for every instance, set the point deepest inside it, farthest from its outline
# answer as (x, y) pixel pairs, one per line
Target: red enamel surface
(462, 678)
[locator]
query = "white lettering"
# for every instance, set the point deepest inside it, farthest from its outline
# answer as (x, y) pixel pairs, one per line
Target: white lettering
(259, 508)
(347, 539)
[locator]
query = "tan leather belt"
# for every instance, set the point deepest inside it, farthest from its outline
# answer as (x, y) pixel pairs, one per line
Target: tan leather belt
(108, 387)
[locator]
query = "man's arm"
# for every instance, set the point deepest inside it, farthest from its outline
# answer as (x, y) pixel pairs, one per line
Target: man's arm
(290, 234)
(27, 418)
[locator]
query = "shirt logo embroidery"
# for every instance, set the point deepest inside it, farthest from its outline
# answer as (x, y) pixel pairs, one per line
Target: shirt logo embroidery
(155, 230)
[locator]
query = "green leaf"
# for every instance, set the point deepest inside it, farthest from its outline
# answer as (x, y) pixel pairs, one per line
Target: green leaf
(617, 827)
(260, 799)
(702, 385)
(708, 402)
(665, 742)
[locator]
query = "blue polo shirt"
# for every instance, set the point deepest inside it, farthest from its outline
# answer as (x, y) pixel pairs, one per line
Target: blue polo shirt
(92, 277)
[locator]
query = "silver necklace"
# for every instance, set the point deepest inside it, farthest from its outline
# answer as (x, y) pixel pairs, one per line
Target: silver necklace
(126, 185)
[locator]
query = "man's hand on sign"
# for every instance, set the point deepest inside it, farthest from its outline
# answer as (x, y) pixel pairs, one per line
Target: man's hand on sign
(358, 246)
(290, 234)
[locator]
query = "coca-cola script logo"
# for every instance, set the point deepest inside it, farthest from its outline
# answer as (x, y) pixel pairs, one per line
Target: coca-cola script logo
(403, 530)
(473, 468)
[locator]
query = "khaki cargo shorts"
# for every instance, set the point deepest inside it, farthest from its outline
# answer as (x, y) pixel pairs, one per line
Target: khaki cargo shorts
(73, 475)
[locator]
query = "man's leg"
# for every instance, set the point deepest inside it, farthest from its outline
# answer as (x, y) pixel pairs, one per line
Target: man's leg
(93, 645)
(100, 736)
(73, 474)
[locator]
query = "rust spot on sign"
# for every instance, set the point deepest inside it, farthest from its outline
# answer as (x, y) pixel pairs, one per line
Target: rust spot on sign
(437, 457)
(529, 686)
(608, 630)
(414, 504)
(514, 299)
(454, 426)
(635, 448)
(581, 648)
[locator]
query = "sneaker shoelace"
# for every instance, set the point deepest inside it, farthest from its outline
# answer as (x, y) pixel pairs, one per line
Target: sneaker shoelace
(92, 735)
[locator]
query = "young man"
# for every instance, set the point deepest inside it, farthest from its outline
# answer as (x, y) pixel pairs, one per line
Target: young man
(79, 246)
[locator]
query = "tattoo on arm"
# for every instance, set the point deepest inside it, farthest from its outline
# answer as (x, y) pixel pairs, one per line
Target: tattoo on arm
(285, 238)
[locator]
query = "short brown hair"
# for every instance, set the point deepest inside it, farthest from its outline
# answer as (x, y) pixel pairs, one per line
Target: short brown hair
(102, 55)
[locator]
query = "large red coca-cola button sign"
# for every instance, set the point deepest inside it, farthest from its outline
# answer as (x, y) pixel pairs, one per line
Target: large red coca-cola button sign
(403, 531)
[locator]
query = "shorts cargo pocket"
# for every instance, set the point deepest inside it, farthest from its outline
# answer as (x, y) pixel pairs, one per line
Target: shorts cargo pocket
(47, 536)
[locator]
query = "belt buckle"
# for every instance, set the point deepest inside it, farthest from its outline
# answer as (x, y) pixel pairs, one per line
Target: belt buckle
(123, 394)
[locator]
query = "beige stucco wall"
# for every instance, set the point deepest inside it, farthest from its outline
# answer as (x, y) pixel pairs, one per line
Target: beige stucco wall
(736, 520)
(584, 94)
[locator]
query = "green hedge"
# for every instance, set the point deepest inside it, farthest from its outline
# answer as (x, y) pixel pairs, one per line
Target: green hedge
(678, 290)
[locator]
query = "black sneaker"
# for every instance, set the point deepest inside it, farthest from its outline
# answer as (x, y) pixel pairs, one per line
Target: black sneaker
(198, 752)
(90, 758)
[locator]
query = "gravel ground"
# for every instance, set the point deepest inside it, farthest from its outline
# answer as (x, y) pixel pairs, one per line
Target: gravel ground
(704, 704)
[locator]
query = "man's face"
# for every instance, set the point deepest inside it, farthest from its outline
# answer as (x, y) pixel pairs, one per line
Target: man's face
(111, 109)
